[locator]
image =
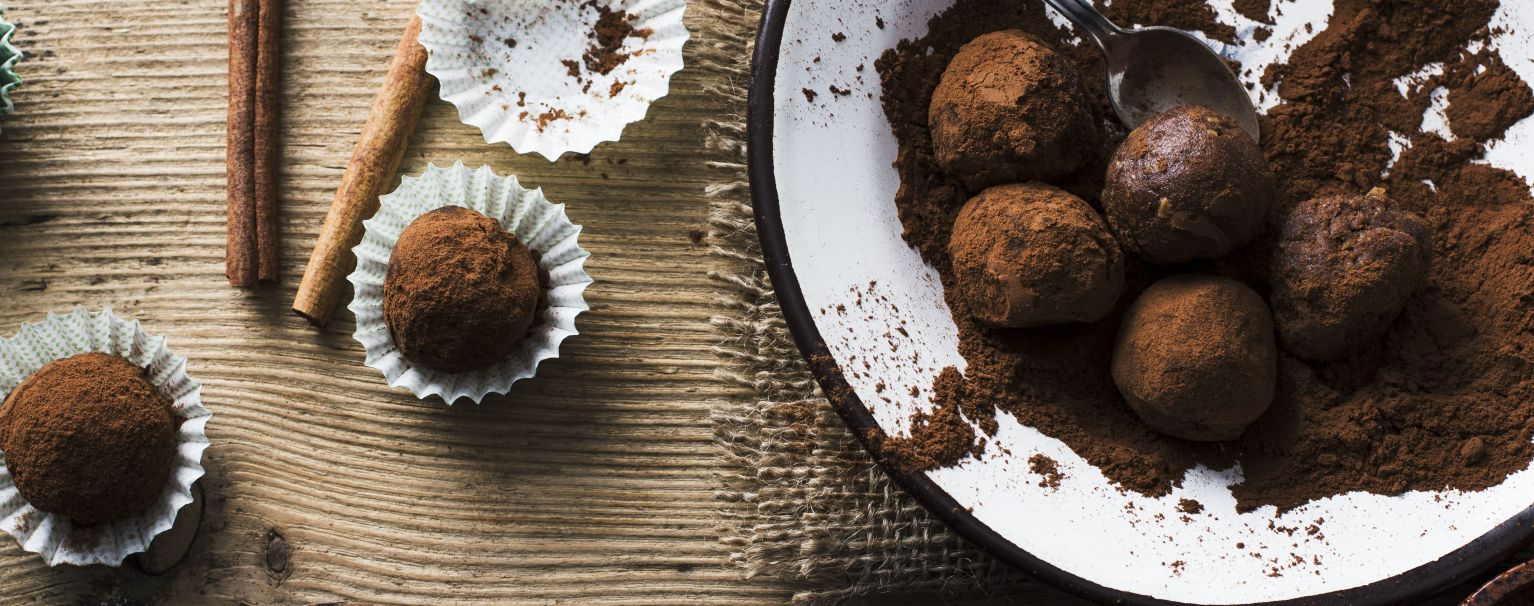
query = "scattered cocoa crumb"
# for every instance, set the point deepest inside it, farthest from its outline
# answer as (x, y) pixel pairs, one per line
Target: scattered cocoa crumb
(1256, 10)
(549, 116)
(613, 27)
(1190, 506)
(1048, 468)
(809, 95)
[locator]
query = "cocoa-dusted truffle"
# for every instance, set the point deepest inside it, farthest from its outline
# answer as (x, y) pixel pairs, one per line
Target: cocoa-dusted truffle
(88, 438)
(1343, 269)
(461, 292)
(1195, 357)
(1189, 184)
(1010, 109)
(1032, 255)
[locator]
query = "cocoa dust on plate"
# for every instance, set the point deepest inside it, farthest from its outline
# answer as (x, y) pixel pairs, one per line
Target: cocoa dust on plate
(1444, 401)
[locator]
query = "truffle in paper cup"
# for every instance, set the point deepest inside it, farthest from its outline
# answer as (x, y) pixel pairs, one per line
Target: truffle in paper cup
(552, 77)
(53, 536)
(9, 55)
(537, 222)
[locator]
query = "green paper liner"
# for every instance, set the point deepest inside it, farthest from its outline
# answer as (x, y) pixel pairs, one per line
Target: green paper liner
(9, 55)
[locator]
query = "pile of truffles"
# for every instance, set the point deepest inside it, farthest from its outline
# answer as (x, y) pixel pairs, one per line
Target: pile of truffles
(1197, 355)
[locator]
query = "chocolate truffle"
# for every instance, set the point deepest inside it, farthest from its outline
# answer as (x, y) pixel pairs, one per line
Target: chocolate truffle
(461, 292)
(88, 438)
(1031, 255)
(1010, 109)
(1189, 184)
(1196, 358)
(1343, 269)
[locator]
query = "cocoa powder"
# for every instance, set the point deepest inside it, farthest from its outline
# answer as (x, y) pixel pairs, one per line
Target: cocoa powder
(1443, 400)
(1256, 10)
(606, 52)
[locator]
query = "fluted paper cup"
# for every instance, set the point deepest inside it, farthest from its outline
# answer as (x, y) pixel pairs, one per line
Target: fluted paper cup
(53, 536)
(9, 55)
(516, 69)
(537, 222)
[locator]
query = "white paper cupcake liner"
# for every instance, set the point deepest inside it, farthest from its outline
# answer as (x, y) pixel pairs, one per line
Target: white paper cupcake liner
(55, 537)
(538, 223)
(507, 67)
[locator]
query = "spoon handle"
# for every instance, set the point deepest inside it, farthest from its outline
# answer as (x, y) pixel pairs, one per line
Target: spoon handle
(1088, 19)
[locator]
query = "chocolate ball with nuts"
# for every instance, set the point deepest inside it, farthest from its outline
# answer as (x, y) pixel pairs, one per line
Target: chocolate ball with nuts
(1196, 358)
(1343, 269)
(1188, 184)
(1010, 109)
(1030, 255)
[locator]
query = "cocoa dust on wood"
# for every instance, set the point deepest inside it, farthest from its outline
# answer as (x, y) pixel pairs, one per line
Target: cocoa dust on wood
(1443, 400)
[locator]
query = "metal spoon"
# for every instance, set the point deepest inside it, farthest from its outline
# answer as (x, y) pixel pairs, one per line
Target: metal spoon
(1153, 69)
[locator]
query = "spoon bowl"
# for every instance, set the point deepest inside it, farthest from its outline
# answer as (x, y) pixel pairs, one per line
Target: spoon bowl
(1153, 69)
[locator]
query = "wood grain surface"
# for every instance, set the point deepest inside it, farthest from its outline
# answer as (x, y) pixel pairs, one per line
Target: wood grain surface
(588, 484)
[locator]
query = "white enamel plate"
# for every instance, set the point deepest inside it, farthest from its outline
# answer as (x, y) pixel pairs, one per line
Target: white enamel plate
(824, 193)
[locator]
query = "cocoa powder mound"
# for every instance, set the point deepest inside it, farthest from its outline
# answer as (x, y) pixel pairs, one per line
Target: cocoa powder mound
(1443, 400)
(1484, 103)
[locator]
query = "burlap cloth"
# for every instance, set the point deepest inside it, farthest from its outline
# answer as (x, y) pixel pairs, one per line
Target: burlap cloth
(801, 499)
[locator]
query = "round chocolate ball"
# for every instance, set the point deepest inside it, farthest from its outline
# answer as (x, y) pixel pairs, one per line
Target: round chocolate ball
(89, 438)
(1010, 109)
(461, 292)
(1196, 358)
(1343, 269)
(1031, 255)
(1189, 184)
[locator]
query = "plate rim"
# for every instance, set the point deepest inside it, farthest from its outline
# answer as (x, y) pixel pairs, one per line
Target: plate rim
(1454, 567)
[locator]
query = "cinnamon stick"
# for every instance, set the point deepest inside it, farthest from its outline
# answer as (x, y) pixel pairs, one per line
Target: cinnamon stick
(241, 262)
(374, 162)
(268, 62)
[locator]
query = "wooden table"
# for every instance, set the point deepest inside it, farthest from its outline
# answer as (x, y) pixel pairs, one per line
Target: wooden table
(590, 483)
